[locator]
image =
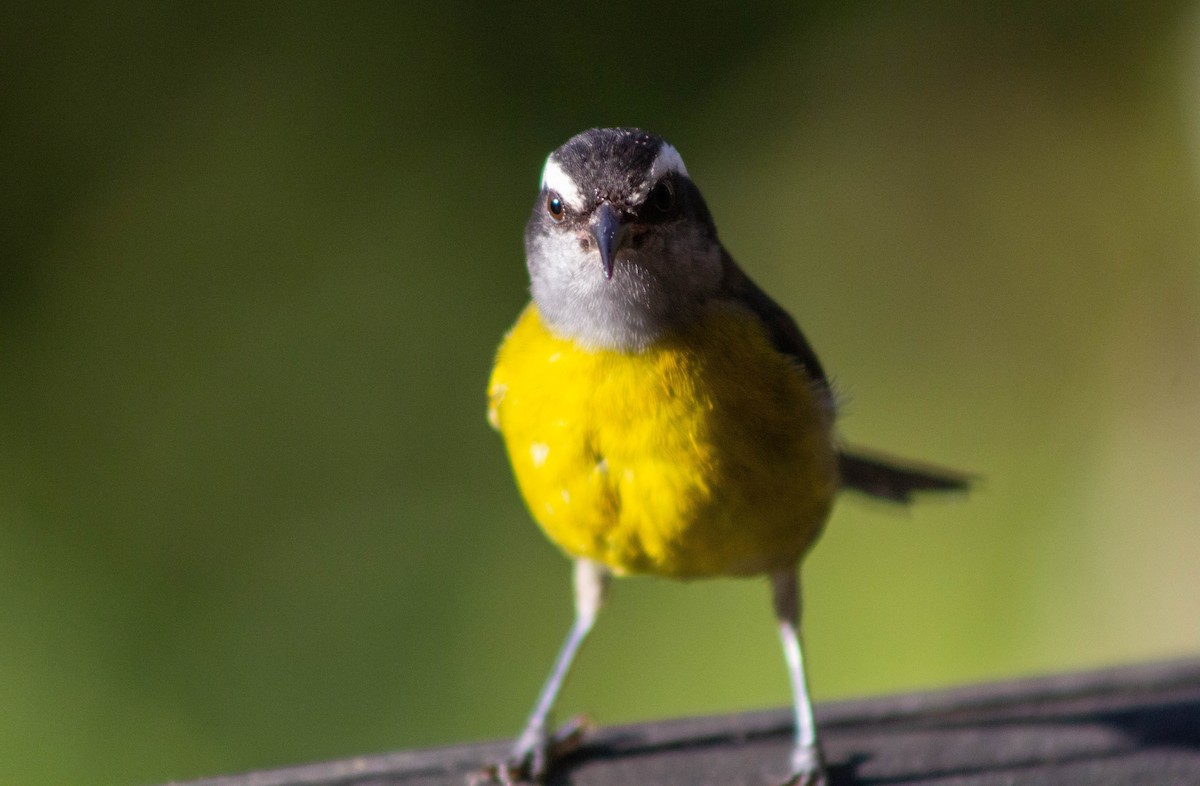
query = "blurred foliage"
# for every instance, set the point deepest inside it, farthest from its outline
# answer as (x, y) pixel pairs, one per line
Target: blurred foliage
(255, 260)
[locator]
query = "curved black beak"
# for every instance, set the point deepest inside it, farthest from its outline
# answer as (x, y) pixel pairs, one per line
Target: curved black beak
(607, 231)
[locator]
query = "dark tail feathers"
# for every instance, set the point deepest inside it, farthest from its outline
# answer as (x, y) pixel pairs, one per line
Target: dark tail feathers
(886, 478)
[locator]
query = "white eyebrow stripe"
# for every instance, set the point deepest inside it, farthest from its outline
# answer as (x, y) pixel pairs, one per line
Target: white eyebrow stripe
(557, 180)
(667, 160)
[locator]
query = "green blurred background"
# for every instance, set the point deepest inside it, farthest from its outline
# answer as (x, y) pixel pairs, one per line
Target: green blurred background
(256, 260)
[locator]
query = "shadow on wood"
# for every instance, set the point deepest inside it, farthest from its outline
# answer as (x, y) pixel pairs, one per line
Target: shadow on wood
(1135, 725)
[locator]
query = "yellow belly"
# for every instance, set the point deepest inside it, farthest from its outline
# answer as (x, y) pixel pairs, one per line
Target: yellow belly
(707, 454)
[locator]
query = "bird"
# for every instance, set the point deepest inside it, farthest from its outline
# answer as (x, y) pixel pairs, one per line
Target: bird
(662, 414)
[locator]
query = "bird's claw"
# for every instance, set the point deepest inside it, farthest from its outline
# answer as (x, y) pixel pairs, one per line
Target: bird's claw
(812, 778)
(808, 767)
(531, 759)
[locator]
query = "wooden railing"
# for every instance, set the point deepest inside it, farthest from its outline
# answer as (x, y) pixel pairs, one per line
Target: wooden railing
(1132, 726)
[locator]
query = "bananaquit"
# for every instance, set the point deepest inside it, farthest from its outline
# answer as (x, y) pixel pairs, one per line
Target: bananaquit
(663, 415)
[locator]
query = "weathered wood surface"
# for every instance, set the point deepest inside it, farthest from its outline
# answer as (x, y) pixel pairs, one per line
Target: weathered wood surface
(1136, 725)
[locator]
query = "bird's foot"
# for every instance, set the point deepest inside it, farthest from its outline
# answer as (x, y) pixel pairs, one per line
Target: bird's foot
(808, 767)
(534, 754)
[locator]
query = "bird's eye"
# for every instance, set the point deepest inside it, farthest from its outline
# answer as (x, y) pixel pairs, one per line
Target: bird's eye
(555, 207)
(662, 196)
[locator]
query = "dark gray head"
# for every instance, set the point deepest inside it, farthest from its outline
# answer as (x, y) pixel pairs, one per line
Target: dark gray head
(620, 245)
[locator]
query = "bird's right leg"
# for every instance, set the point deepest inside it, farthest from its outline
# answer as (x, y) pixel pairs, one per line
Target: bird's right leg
(532, 754)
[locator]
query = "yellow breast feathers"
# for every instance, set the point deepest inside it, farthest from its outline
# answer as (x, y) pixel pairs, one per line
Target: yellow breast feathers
(710, 453)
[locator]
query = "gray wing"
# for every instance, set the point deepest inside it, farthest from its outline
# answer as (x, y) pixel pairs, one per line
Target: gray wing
(782, 329)
(872, 474)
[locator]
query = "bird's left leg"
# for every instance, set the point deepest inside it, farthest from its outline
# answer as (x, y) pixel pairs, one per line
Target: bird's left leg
(807, 765)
